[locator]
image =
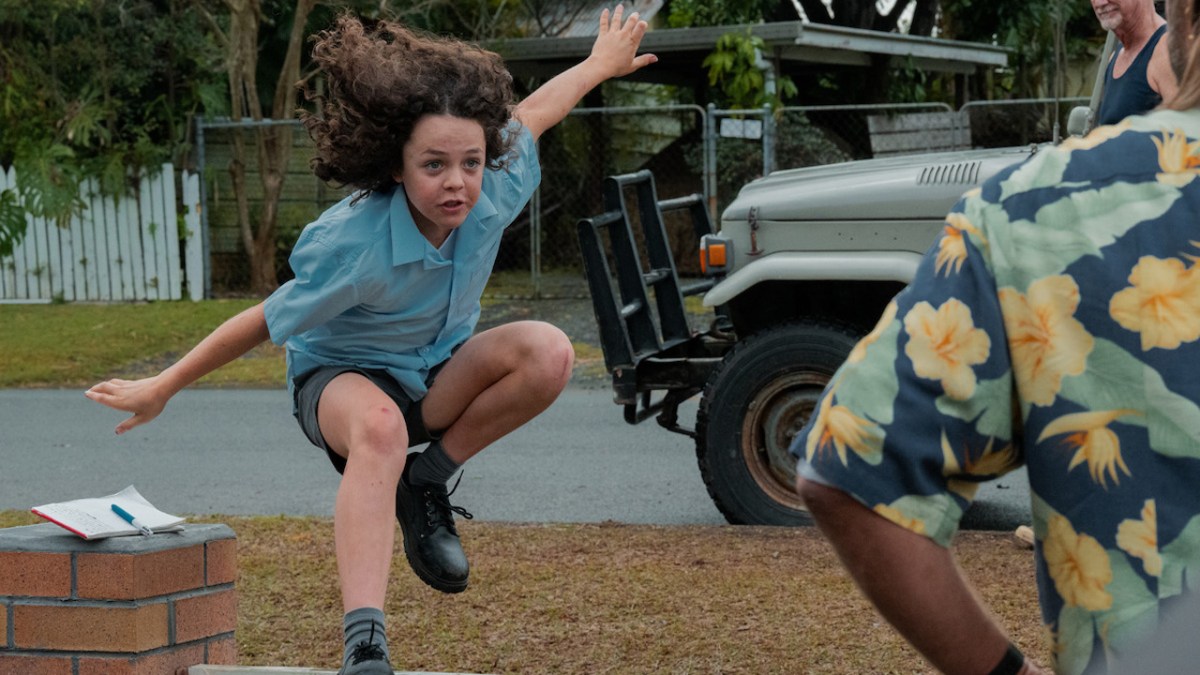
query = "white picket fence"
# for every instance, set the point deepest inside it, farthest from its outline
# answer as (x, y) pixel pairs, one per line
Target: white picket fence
(118, 248)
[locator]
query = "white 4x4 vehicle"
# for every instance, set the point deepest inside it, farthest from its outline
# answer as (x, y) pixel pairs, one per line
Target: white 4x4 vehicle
(803, 265)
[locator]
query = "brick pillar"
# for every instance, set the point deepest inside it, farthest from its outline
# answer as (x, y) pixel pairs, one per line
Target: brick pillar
(121, 606)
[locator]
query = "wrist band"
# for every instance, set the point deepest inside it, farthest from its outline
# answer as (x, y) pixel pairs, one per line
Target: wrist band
(1011, 663)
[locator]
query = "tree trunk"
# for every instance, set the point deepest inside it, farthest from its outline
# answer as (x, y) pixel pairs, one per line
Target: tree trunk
(273, 143)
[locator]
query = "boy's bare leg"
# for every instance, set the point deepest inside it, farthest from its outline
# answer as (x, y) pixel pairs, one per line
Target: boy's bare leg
(499, 380)
(496, 382)
(363, 424)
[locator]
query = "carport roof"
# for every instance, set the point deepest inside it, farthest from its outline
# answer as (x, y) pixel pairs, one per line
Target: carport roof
(790, 42)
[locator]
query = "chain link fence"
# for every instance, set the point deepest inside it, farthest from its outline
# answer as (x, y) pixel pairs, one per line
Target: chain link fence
(689, 149)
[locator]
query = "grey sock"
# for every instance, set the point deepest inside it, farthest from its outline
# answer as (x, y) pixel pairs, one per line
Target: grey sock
(364, 624)
(432, 467)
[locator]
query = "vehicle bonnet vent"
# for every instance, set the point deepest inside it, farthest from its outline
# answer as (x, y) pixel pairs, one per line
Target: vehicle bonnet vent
(959, 173)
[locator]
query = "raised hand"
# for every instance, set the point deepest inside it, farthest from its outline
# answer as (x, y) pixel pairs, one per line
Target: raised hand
(615, 49)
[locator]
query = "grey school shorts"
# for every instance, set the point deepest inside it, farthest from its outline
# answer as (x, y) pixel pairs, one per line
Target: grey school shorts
(310, 385)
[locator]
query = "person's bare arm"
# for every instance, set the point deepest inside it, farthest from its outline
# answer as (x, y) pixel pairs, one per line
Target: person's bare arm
(913, 582)
(1160, 74)
(614, 54)
(146, 398)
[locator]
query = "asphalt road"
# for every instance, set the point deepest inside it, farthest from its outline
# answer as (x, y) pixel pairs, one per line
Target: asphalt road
(239, 452)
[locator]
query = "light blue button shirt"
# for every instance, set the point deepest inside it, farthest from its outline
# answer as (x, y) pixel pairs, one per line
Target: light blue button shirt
(370, 291)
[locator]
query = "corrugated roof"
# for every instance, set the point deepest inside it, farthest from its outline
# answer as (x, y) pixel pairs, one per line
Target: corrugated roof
(787, 41)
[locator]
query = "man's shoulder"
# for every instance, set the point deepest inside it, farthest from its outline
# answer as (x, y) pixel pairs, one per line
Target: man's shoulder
(1136, 149)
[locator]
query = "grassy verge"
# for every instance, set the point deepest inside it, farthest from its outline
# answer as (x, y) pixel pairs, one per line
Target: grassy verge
(77, 345)
(588, 599)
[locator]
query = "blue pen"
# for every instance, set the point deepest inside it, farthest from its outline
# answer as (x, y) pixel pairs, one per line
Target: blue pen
(128, 517)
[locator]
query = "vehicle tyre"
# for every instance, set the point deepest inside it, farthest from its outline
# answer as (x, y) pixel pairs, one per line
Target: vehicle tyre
(753, 405)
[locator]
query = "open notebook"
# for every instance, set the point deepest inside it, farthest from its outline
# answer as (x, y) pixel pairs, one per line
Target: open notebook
(94, 517)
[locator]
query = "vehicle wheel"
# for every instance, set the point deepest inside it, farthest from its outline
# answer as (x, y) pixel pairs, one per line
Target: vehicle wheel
(752, 407)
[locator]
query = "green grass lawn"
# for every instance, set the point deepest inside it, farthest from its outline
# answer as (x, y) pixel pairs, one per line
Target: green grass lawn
(79, 344)
(76, 345)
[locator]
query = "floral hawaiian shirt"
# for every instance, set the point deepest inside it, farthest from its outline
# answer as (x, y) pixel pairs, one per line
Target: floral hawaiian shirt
(1054, 324)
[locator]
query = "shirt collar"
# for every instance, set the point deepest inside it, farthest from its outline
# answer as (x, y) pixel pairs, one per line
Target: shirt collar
(408, 244)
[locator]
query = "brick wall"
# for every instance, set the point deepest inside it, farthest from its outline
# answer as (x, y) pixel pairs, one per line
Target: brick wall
(121, 606)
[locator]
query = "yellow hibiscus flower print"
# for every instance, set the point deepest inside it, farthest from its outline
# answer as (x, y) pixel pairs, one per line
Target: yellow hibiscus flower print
(952, 248)
(943, 345)
(1177, 158)
(1092, 441)
(1078, 565)
(984, 461)
(1162, 305)
(896, 516)
(1189, 256)
(860, 350)
(1046, 341)
(837, 425)
(1139, 538)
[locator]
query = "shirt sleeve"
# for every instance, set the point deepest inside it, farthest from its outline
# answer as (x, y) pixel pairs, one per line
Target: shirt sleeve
(514, 184)
(922, 411)
(325, 285)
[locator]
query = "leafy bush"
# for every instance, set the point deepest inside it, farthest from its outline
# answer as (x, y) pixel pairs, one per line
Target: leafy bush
(92, 89)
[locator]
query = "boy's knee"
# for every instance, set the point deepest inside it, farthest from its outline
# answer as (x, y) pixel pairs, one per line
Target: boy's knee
(553, 353)
(382, 435)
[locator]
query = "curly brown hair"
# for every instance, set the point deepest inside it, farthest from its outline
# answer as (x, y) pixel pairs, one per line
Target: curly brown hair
(382, 77)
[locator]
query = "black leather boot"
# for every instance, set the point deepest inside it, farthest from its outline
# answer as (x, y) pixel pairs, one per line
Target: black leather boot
(431, 541)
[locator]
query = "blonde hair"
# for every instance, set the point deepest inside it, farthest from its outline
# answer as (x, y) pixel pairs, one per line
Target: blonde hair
(1184, 48)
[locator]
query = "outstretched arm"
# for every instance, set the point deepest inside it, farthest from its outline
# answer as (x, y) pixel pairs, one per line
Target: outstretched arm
(913, 582)
(614, 54)
(146, 398)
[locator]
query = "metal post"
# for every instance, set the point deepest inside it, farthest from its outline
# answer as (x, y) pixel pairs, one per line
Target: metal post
(768, 140)
(1110, 44)
(711, 161)
(219, 123)
(768, 122)
(535, 242)
(206, 256)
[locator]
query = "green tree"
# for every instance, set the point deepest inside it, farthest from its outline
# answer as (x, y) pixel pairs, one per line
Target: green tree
(694, 13)
(917, 17)
(264, 43)
(240, 32)
(1043, 36)
(476, 20)
(95, 89)
(738, 73)
(867, 14)
(737, 68)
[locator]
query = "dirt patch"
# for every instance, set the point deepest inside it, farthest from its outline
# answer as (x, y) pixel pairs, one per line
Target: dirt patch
(584, 599)
(607, 598)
